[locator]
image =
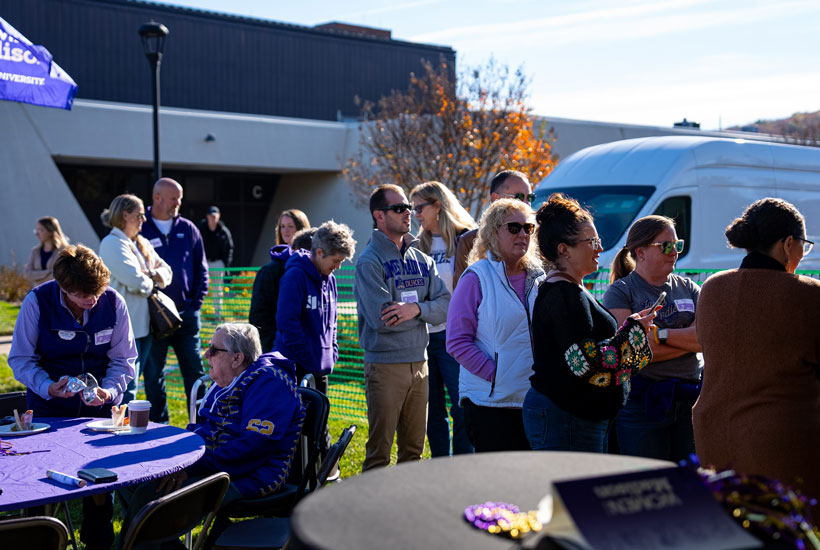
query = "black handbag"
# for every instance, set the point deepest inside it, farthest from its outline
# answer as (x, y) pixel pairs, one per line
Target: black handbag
(165, 319)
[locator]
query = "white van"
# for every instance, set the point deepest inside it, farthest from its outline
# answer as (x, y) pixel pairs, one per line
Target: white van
(702, 182)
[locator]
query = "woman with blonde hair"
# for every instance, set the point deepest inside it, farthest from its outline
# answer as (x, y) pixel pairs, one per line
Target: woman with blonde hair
(289, 222)
(488, 326)
(135, 269)
(442, 220)
(40, 263)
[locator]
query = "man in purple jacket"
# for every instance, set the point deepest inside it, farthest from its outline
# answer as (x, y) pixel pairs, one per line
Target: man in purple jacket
(179, 243)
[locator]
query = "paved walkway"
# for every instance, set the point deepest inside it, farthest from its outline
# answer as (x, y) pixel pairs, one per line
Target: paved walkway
(5, 344)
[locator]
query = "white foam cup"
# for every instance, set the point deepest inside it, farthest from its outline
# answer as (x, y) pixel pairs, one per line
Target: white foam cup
(138, 415)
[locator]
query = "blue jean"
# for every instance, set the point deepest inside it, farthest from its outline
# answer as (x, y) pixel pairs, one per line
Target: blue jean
(670, 438)
(551, 428)
(143, 348)
(443, 373)
(188, 350)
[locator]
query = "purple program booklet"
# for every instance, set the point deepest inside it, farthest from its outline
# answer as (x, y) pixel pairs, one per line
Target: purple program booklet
(661, 509)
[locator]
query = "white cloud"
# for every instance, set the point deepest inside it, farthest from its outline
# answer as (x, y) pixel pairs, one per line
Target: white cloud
(611, 25)
(706, 102)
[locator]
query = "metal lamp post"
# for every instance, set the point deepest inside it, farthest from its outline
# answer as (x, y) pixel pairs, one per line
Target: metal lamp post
(153, 41)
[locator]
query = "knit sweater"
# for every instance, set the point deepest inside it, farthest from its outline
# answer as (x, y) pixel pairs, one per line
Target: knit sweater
(581, 362)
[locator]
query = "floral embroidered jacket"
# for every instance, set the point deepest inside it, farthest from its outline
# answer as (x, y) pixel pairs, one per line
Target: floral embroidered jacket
(582, 360)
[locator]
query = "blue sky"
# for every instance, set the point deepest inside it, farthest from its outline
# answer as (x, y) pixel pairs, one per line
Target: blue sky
(718, 62)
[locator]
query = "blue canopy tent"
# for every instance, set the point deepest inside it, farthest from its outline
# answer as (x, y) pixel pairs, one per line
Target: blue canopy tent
(29, 75)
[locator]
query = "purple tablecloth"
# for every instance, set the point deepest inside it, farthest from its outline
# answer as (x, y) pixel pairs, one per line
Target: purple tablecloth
(71, 446)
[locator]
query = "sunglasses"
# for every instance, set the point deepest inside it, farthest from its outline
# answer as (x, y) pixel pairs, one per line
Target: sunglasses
(807, 245)
(212, 350)
(514, 227)
(399, 208)
(668, 246)
(419, 207)
(528, 198)
(594, 241)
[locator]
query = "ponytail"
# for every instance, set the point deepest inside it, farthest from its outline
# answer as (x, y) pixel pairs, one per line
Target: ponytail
(622, 265)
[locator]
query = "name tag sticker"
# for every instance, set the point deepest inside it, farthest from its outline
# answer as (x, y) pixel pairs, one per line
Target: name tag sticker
(410, 297)
(103, 337)
(156, 242)
(685, 305)
(180, 235)
(66, 334)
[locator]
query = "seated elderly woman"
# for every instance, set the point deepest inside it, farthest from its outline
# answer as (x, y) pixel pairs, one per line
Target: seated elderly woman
(72, 325)
(250, 419)
(488, 327)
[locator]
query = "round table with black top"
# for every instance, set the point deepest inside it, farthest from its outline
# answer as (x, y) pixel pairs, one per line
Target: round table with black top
(421, 504)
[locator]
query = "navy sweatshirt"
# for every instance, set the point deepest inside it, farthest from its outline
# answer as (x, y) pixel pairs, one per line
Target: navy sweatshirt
(183, 250)
(306, 316)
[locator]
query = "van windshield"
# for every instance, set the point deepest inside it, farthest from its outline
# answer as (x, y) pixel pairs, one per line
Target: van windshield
(613, 207)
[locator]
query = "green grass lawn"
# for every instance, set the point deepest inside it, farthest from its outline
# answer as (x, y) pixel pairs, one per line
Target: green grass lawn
(351, 463)
(8, 314)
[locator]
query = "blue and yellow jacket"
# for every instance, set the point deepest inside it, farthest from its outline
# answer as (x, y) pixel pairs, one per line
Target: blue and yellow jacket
(251, 427)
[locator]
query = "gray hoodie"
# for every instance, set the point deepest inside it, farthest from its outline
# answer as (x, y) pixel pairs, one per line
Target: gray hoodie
(385, 274)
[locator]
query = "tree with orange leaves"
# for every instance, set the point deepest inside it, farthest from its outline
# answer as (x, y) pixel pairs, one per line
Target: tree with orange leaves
(460, 135)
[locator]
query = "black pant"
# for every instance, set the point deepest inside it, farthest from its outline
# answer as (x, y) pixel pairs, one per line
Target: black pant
(495, 428)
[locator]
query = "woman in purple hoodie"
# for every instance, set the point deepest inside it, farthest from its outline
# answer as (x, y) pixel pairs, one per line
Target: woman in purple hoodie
(306, 310)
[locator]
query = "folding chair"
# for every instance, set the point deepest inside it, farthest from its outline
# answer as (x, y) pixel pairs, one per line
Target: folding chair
(273, 533)
(39, 532)
(177, 513)
(282, 503)
(194, 402)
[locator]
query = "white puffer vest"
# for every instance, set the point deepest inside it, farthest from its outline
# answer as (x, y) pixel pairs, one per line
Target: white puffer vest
(503, 333)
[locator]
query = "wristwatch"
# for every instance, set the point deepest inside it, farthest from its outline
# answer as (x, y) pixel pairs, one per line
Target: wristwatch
(663, 335)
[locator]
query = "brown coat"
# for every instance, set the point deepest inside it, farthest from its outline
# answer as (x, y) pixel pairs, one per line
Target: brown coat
(463, 248)
(34, 270)
(759, 410)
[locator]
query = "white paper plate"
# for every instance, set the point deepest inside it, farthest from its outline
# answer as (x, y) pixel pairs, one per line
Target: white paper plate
(104, 425)
(36, 427)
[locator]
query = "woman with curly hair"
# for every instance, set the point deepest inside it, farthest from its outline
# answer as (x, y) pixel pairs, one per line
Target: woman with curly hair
(442, 220)
(488, 326)
(582, 360)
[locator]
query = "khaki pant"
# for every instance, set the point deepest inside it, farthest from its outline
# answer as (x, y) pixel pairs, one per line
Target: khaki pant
(396, 396)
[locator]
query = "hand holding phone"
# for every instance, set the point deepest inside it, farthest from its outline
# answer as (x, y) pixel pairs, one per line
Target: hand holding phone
(658, 303)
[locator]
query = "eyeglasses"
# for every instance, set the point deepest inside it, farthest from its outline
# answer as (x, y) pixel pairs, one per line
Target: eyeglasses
(141, 216)
(807, 245)
(528, 198)
(212, 350)
(399, 208)
(514, 227)
(668, 246)
(419, 207)
(594, 241)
